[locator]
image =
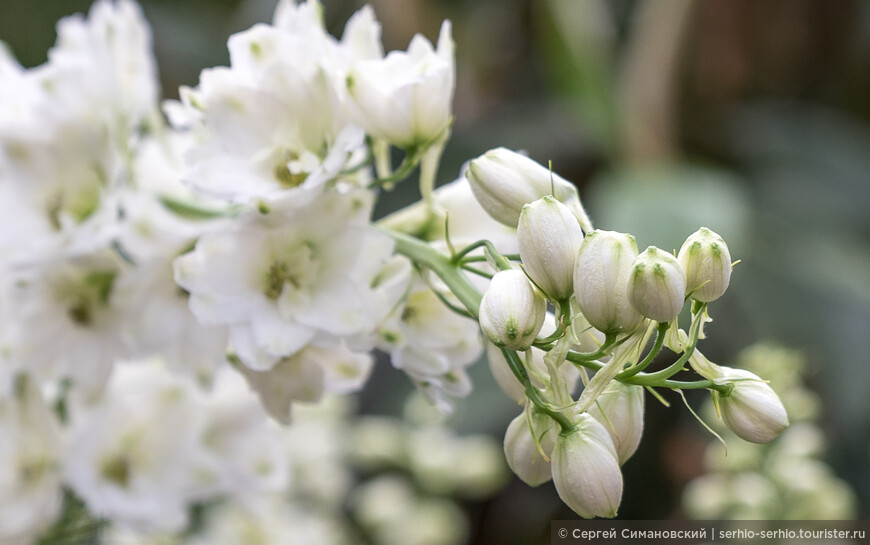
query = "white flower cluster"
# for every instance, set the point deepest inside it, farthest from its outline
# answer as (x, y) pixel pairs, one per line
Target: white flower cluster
(609, 297)
(153, 275)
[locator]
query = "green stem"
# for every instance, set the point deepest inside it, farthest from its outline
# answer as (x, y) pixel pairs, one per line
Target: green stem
(478, 258)
(195, 211)
(421, 253)
(428, 171)
(677, 366)
(532, 393)
(460, 255)
(409, 163)
(590, 357)
(364, 163)
(478, 272)
(657, 347)
(381, 151)
(646, 379)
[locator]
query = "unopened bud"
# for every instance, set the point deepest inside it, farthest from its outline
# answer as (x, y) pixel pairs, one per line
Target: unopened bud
(512, 311)
(503, 181)
(657, 285)
(522, 453)
(620, 410)
(707, 263)
(549, 238)
(586, 470)
(752, 410)
(601, 273)
(509, 383)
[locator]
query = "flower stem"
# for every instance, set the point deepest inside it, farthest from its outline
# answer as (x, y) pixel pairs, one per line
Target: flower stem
(660, 338)
(426, 256)
(532, 393)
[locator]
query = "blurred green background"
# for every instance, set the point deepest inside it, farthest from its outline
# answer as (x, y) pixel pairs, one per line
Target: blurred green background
(749, 117)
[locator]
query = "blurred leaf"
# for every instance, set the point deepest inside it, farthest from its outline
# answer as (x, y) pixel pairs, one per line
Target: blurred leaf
(663, 205)
(809, 163)
(578, 42)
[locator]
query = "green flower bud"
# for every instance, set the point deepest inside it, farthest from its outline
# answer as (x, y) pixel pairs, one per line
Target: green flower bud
(752, 410)
(707, 262)
(512, 311)
(586, 470)
(504, 181)
(521, 452)
(620, 410)
(549, 238)
(657, 285)
(601, 281)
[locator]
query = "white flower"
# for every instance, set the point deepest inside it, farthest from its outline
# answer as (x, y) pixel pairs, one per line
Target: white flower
(247, 450)
(30, 492)
(106, 63)
(306, 375)
(522, 453)
(586, 470)
(282, 279)
(707, 262)
(431, 344)
(135, 455)
(405, 98)
(601, 273)
(273, 520)
(549, 238)
(620, 409)
(752, 410)
(361, 38)
(657, 285)
(504, 181)
(392, 512)
(512, 310)
(64, 320)
(65, 142)
(272, 125)
(316, 445)
(156, 316)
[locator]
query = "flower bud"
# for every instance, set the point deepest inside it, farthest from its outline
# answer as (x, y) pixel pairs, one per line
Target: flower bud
(620, 410)
(657, 285)
(601, 281)
(549, 238)
(521, 452)
(405, 98)
(508, 382)
(512, 311)
(586, 471)
(504, 181)
(752, 410)
(707, 262)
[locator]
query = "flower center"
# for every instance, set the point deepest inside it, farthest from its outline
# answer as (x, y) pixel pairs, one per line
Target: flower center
(295, 272)
(287, 177)
(85, 297)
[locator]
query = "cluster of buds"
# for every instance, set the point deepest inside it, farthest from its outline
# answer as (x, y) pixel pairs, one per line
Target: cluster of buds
(600, 286)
